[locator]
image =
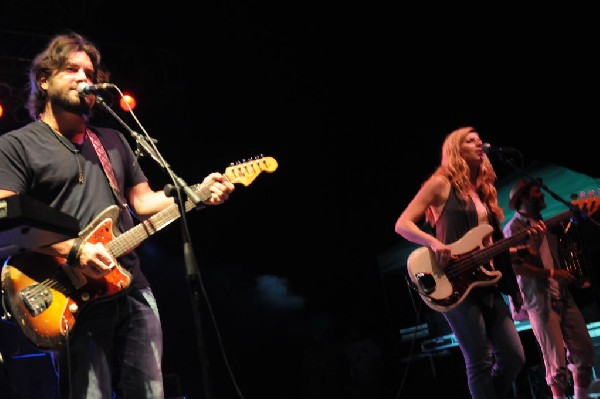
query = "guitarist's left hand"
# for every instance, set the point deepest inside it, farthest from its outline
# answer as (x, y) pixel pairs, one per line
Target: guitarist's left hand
(536, 234)
(220, 188)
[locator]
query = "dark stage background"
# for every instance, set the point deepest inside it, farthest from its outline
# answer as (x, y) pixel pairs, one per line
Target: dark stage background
(353, 102)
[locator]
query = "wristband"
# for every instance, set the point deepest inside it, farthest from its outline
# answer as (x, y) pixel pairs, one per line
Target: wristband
(75, 252)
(552, 273)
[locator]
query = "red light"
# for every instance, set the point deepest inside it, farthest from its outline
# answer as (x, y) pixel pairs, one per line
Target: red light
(1, 111)
(127, 100)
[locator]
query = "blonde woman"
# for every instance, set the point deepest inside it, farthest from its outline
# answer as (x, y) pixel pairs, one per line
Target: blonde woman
(458, 197)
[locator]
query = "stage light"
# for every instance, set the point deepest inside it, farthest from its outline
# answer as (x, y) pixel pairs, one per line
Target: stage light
(127, 102)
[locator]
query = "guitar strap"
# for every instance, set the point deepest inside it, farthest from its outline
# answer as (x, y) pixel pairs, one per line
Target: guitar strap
(108, 171)
(508, 283)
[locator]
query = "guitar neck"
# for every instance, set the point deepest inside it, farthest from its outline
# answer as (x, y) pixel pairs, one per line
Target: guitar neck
(243, 173)
(487, 253)
(136, 235)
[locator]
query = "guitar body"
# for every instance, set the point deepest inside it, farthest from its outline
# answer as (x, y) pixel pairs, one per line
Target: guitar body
(44, 295)
(444, 289)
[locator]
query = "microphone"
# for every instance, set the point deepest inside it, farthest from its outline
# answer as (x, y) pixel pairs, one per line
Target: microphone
(85, 89)
(489, 149)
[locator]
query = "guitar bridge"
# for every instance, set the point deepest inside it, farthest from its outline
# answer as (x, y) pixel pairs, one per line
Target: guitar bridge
(36, 298)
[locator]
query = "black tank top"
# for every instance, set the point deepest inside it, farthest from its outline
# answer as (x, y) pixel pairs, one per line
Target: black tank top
(457, 218)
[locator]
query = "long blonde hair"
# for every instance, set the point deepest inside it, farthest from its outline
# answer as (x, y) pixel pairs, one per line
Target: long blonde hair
(455, 169)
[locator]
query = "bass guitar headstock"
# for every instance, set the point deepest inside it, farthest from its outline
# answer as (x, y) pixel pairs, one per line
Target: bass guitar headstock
(588, 202)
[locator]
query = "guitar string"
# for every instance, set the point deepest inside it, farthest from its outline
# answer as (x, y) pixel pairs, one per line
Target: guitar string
(466, 262)
(468, 265)
(50, 283)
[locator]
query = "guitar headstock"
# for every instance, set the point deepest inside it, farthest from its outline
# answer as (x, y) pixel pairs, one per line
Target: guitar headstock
(589, 203)
(246, 171)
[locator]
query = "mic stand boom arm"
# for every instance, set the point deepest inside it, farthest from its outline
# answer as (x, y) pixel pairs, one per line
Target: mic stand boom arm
(578, 212)
(148, 144)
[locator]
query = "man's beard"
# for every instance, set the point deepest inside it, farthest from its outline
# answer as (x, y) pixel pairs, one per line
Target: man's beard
(539, 205)
(79, 108)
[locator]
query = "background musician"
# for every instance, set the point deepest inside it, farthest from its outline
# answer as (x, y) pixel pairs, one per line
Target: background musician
(556, 320)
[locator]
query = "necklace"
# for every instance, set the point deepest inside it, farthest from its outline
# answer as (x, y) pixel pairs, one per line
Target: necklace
(69, 146)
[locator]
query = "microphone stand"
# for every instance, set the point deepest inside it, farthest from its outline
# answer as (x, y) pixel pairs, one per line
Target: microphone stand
(192, 270)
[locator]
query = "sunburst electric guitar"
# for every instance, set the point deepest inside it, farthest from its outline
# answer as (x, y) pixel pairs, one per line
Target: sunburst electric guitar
(45, 296)
(443, 289)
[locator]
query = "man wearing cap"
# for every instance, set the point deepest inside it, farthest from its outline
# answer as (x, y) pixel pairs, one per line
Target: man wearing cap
(556, 320)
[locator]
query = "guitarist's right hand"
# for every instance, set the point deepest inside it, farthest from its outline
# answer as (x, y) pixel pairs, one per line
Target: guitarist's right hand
(95, 261)
(443, 253)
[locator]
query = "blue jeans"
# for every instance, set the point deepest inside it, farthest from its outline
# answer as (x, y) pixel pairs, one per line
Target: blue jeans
(489, 342)
(115, 349)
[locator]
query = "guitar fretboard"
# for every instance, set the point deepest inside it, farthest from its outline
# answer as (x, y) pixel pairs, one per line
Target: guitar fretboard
(136, 235)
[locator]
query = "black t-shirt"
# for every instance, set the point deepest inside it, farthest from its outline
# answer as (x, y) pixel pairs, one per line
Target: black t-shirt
(36, 162)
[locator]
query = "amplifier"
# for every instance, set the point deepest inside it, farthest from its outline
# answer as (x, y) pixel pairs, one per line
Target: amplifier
(449, 340)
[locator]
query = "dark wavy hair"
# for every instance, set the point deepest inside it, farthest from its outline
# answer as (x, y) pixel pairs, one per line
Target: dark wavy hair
(53, 58)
